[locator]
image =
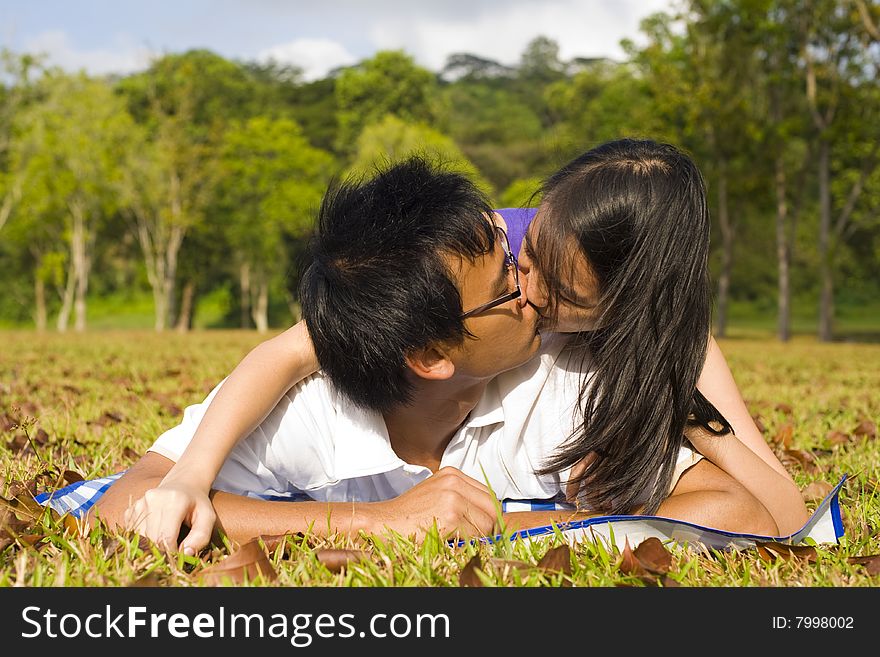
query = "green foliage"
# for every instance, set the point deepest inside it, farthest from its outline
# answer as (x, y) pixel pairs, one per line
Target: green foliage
(391, 139)
(728, 82)
(388, 83)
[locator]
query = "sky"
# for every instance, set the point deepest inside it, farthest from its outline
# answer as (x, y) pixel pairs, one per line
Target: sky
(122, 36)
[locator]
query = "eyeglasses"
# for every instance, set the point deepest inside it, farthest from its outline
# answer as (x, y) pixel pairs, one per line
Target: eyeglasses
(509, 262)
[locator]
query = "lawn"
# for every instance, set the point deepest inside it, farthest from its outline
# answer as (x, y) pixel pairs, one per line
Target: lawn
(86, 405)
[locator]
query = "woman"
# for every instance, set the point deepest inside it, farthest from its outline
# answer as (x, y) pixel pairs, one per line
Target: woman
(617, 256)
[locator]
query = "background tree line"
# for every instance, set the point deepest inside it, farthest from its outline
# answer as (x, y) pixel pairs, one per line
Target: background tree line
(198, 178)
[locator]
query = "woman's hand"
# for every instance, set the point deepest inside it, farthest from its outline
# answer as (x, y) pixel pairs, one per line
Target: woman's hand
(575, 478)
(163, 511)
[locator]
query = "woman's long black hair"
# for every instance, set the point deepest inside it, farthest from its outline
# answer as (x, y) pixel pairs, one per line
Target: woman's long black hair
(637, 210)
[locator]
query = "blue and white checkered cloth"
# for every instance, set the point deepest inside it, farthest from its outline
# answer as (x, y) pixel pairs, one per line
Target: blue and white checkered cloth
(78, 497)
(824, 526)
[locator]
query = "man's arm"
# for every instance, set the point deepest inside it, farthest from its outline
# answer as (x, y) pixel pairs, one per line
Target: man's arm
(460, 506)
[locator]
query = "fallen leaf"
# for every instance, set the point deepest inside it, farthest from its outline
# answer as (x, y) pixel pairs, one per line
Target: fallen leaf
(758, 423)
(870, 562)
(765, 554)
(557, 559)
(272, 541)
(653, 556)
(130, 454)
(787, 552)
(866, 429)
(246, 563)
(804, 458)
(336, 560)
(71, 477)
(816, 491)
(669, 583)
(783, 408)
(468, 575)
(507, 564)
(784, 435)
(149, 580)
(629, 563)
(837, 437)
(71, 526)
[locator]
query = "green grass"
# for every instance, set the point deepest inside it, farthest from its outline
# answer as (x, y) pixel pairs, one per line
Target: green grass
(97, 400)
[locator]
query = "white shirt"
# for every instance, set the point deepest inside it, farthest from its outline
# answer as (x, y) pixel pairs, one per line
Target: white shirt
(317, 444)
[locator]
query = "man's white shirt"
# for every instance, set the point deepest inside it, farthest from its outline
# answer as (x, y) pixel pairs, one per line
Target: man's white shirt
(317, 444)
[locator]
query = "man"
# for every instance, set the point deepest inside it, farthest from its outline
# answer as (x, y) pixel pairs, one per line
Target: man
(430, 404)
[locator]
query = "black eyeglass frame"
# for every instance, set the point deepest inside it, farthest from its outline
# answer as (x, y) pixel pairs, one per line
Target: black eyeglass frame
(510, 261)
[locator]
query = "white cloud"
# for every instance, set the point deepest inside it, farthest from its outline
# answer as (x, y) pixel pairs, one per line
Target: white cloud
(316, 57)
(121, 56)
(581, 28)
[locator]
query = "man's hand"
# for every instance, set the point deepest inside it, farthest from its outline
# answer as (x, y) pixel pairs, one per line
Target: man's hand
(460, 506)
(162, 511)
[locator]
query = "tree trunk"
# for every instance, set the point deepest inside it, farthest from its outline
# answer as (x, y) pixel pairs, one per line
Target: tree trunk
(826, 292)
(244, 278)
(260, 311)
(783, 256)
(66, 300)
(81, 263)
(39, 303)
(184, 318)
(726, 253)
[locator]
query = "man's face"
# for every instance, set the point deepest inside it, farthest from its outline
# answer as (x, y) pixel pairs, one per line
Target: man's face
(505, 336)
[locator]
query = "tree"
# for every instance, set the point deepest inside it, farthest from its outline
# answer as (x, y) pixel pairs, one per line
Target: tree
(182, 103)
(389, 83)
(271, 183)
(70, 144)
(392, 139)
(840, 68)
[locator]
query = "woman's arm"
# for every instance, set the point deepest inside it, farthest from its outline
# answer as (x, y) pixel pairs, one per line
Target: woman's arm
(244, 400)
(747, 456)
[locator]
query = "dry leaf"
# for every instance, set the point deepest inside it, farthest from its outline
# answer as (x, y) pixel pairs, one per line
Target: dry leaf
(653, 556)
(804, 458)
(336, 560)
(837, 437)
(758, 423)
(784, 408)
(557, 559)
(787, 552)
(629, 564)
(71, 477)
(468, 575)
(507, 564)
(816, 491)
(246, 563)
(765, 554)
(865, 429)
(272, 541)
(149, 580)
(669, 583)
(71, 526)
(870, 562)
(784, 435)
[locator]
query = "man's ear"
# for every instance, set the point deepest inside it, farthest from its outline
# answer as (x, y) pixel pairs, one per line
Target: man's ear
(431, 363)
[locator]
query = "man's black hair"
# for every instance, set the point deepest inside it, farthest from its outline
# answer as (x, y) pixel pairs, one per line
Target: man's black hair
(378, 285)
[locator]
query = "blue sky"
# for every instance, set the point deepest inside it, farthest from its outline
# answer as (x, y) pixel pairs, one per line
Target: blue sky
(103, 36)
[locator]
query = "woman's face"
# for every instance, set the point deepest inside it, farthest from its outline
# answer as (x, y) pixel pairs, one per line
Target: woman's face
(576, 308)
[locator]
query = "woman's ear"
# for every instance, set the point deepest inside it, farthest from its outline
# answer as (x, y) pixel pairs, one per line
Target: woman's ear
(431, 363)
